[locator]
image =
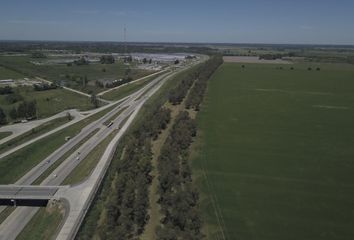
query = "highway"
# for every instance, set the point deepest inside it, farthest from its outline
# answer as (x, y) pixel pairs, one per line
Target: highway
(80, 196)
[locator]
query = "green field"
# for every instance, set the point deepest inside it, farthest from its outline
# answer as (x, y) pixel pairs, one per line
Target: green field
(58, 72)
(276, 147)
(49, 102)
(9, 74)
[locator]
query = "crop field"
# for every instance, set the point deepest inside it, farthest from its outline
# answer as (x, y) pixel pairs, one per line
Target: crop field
(276, 152)
(58, 72)
(49, 102)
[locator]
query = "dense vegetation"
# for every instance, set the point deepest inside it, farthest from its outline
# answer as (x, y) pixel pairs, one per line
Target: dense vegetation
(107, 59)
(196, 94)
(178, 197)
(128, 200)
(6, 90)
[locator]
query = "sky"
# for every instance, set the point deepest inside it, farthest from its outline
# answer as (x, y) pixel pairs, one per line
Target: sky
(200, 21)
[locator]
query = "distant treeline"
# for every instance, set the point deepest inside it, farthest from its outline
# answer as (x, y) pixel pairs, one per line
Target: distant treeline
(106, 47)
(178, 196)
(200, 75)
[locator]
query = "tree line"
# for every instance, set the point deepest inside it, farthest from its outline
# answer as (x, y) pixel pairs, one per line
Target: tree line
(128, 200)
(195, 97)
(178, 196)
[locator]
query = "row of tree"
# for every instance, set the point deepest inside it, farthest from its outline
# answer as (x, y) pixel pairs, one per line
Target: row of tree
(44, 86)
(195, 97)
(177, 94)
(127, 203)
(178, 196)
(107, 59)
(6, 90)
(25, 110)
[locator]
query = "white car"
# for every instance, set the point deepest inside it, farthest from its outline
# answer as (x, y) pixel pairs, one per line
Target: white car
(54, 175)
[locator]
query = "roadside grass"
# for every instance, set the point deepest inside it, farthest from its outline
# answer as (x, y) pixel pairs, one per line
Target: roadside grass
(63, 158)
(49, 102)
(127, 89)
(58, 72)
(5, 134)
(86, 166)
(35, 132)
(276, 152)
(5, 213)
(17, 164)
(44, 225)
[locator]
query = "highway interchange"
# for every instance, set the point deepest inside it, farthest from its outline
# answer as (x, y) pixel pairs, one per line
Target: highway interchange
(77, 197)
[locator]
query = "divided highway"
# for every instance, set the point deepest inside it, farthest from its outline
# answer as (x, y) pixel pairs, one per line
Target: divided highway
(79, 197)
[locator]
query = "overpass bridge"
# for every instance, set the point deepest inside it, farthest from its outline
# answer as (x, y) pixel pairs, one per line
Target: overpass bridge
(27, 195)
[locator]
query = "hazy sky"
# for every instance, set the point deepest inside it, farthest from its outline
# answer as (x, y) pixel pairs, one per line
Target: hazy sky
(232, 21)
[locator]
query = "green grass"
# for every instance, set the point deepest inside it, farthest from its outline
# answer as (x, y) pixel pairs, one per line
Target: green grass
(5, 134)
(57, 72)
(43, 226)
(49, 102)
(26, 158)
(4, 214)
(9, 74)
(35, 132)
(278, 159)
(86, 166)
(127, 89)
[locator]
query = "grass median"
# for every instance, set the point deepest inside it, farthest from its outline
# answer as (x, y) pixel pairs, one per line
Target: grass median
(18, 163)
(31, 134)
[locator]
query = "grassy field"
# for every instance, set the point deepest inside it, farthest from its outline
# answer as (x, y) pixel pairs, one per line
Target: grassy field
(26, 158)
(35, 132)
(49, 102)
(58, 72)
(127, 89)
(9, 74)
(276, 153)
(4, 134)
(43, 225)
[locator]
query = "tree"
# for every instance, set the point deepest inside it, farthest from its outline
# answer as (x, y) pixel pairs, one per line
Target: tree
(68, 116)
(94, 100)
(3, 119)
(13, 113)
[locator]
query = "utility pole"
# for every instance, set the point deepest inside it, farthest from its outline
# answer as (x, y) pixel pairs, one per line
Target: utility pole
(125, 40)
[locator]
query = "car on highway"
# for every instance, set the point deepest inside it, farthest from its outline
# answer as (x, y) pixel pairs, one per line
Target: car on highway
(54, 175)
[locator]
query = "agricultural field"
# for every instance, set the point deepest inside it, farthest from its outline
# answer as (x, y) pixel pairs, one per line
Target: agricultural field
(276, 156)
(72, 76)
(48, 102)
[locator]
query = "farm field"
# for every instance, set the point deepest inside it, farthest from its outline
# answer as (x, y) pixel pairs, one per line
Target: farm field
(59, 72)
(49, 102)
(276, 152)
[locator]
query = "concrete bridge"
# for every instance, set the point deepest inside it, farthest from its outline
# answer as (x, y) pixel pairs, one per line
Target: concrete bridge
(18, 195)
